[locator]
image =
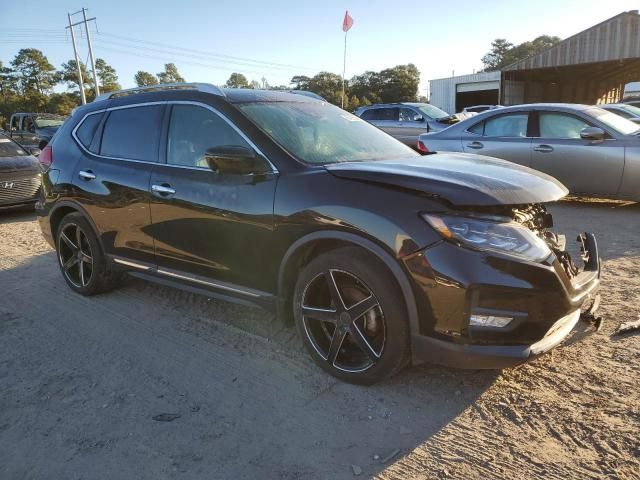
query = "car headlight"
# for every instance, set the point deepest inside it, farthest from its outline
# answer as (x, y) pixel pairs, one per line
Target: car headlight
(483, 234)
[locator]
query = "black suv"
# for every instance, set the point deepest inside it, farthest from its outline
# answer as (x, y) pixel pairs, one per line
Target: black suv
(379, 255)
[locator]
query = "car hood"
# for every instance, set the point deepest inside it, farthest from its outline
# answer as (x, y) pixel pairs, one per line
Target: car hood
(460, 178)
(25, 163)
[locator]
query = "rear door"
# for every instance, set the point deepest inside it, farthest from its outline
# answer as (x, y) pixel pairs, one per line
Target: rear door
(385, 118)
(120, 146)
(504, 136)
(583, 166)
(206, 224)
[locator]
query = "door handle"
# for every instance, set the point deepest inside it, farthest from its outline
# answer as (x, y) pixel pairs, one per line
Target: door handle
(163, 190)
(543, 148)
(475, 145)
(86, 175)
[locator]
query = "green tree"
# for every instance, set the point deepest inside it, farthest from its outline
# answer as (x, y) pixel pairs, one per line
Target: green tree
(237, 80)
(69, 74)
(328, 85)
(144, 79)
(255, 84)
(399, 84)
(300, 82)
(8, 82)
(33, 71)
(170, 74)
(107, 76)
(63, 103)
(504, 53)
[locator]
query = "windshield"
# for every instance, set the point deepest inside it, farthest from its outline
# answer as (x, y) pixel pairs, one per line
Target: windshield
(432, 111)
(320, 133)
(48, 121)
(617, 123)
(9, 148)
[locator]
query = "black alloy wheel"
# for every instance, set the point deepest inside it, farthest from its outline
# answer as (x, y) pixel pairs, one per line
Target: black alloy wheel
(82, 263)
(351, 316)
(75, 256)
(343, 320)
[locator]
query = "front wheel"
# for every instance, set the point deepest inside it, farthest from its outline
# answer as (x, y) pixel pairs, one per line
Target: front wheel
(351, 316)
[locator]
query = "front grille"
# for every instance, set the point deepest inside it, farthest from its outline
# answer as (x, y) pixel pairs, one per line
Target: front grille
(19, 189)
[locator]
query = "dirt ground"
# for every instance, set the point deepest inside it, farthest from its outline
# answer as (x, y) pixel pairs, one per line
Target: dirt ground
(82, 378)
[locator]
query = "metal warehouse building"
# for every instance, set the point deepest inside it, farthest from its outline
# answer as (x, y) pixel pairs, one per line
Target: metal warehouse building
(590, 67)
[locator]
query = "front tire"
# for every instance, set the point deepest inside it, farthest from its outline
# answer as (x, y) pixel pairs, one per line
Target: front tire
(80, 257)
(351, 316)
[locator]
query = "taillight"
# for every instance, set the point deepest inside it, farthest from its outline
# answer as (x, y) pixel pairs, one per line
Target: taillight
(422, 148)
(46, 156)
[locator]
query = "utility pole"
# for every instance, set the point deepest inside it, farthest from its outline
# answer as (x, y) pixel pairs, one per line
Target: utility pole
(93, 63)
(75, 53)
(85, 21)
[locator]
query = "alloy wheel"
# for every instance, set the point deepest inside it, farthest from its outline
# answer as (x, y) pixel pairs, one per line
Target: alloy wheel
(74, 254)
(343, 320)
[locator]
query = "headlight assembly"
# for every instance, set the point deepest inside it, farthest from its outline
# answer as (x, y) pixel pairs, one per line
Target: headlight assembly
(483, 234)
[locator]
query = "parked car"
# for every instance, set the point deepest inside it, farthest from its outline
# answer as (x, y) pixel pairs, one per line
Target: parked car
(624, 110)
(590, 150)
(406, 121)
(292, 204)
(635, 101)
(34, 129)
(20, 175)
(480, 108)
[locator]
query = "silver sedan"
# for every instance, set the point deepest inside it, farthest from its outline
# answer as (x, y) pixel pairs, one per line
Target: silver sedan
(590, 150)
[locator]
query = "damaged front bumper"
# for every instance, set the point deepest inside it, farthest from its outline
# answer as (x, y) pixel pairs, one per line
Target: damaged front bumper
(544, 300)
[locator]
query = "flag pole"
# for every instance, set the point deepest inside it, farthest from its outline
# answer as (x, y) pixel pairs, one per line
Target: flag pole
(344, 65)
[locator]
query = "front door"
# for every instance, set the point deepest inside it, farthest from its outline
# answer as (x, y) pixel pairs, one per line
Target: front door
(205, 223)
(28, 132)
(502, 136)
(112, 177)
(583, 166)
(410, 125)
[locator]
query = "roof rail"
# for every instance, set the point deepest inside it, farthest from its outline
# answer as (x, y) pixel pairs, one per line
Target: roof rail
(201, 87)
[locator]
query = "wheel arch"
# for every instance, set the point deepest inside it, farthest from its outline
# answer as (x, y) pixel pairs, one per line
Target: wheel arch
(64, 208)
(319, 242)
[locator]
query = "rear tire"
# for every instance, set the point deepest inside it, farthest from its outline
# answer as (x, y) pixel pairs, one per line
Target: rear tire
(351, 316)
(80, 257)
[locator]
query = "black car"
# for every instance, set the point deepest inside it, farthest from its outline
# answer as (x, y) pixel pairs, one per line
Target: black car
(379, 256)
(20, 175)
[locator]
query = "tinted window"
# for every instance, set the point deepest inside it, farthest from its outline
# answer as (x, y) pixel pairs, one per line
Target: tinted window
(9, 148)
(15, 123)
(88, 128)
(27, 124)
(193, 130)
(386, 114)
(560, 125)
(319, 133)
(132, 133)
(510, 125)
(368, 114)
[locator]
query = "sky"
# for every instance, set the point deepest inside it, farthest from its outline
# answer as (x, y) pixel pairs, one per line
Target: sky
(282, 38)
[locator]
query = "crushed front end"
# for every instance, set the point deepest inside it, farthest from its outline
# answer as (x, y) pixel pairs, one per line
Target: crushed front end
(500, 287)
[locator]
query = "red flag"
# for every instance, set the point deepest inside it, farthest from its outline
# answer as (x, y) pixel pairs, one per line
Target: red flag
(347, 23)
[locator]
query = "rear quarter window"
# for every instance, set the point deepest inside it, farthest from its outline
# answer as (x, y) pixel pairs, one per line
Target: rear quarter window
(87, 129)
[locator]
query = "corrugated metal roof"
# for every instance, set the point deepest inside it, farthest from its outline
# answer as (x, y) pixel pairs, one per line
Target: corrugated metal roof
(614, 39)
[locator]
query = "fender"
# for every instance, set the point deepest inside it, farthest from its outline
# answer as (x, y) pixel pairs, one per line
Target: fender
(79, 208)
(372, 247)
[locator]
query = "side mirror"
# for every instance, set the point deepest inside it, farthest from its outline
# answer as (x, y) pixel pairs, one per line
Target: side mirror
(234, 159)
(418, 118)
(595, 134)
(35, 151)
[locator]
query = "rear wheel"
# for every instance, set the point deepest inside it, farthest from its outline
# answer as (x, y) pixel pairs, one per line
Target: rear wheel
(351, 316)
(80, 257)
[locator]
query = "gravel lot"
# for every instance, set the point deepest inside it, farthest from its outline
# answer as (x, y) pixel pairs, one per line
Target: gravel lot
(82, 378)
